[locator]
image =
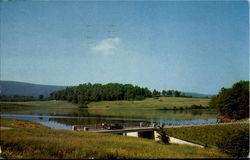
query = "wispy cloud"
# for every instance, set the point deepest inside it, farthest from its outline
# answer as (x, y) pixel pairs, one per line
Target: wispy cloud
(106, 46)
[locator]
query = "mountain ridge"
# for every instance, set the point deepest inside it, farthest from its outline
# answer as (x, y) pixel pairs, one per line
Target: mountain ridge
(27, 89)
(31, 89)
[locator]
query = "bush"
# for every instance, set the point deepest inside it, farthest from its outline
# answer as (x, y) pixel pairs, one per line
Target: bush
(198, 107)
(164, 138)
(235, 143)
(83, 105)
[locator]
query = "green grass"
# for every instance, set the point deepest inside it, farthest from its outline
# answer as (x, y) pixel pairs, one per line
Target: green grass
(43, 142)
(203, 135)
(15, 123)
(148, 108)
(148, 103)
(152, 103)
(42, 107)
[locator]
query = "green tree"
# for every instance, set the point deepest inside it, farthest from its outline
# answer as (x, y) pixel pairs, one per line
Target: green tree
(170, 93)
(232, 102)
(41, 97)
(164, 92)
(156, 93)
(177, 93)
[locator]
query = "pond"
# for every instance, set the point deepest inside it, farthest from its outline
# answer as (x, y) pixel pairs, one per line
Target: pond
(86, 119)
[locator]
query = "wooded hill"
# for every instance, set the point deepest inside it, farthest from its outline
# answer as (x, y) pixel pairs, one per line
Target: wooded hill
(88, 92)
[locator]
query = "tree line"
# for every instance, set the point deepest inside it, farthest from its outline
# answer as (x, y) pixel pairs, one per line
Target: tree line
(88, 92)
(20, 98)
(171, 93)
(97, 92)
(16, 98)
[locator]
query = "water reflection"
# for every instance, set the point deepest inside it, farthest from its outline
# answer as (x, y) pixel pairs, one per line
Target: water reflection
(65, 122)
(193, 112)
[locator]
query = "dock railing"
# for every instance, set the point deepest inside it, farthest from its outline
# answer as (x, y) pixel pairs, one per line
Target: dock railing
(125, 125)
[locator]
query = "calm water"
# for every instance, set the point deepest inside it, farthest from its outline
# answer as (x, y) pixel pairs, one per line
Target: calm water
(66, 122)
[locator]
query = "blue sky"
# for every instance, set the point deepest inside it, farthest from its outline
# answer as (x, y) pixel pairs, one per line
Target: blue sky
(189, 46)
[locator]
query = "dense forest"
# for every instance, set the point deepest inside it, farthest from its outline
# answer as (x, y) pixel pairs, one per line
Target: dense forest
(233, 102)
(85, 93)
(88, 92)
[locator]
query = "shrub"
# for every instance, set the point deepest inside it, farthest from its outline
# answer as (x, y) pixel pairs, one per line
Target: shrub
(83, 105)
(235, 143)
(164, 138)
(198, 107)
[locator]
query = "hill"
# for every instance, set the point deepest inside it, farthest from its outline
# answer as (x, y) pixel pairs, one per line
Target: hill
(30, 89)
(27, 89)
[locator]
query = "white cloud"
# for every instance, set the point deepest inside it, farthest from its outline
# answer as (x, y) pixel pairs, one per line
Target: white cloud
(106, 46)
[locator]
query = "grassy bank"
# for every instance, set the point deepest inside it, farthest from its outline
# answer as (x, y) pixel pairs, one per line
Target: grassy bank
(19, 124)
(42, 142)
(43, 107)
(205, 135)
(150, 108)
(148, 103)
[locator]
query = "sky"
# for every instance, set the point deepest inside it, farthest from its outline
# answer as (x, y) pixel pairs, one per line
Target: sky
(191, 46)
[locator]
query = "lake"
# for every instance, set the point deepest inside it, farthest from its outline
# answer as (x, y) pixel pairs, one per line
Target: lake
(93, 120)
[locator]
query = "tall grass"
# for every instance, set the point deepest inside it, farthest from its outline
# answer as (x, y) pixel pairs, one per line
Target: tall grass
(205, 135)
(47, 143)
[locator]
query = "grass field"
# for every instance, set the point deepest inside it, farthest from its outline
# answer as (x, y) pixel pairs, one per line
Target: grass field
(41, 142)
(152, 103)
(205, 135)
(148, 108)
(43, 107)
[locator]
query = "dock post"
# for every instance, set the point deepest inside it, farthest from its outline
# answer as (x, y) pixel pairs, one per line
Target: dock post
(141, 124)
